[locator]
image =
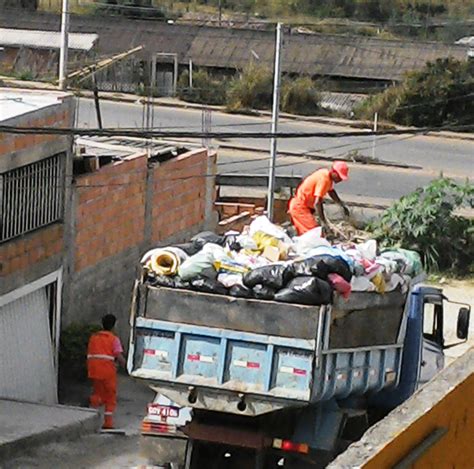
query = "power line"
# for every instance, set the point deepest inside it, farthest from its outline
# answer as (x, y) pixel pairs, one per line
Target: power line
(118, 132)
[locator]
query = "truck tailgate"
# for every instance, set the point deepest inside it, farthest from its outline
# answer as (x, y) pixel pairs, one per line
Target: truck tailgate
(180, 354)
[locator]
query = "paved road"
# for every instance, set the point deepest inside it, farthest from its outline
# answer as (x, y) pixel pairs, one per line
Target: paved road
(432, 154)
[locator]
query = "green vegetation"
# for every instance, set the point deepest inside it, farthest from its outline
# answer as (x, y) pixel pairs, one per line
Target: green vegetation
(205, 90)
(73, 351)
(252, 89)
(428, 221)
(428, 19)
(439, 94)
(299, 96)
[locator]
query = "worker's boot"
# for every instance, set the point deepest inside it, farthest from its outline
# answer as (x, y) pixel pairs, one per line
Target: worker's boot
(108, 421)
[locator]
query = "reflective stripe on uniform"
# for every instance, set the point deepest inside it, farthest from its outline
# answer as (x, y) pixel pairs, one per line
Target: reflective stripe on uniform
(101, 357)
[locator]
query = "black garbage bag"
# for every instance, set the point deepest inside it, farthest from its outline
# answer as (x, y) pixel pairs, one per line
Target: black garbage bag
(201, 239)
(323, 265)
(307, 291)
(263, 292)
(162, 281)
(307, 266)
(231, 241)
(209, 273)
(274, 276)
(180, 283)
(235, 246)
(240, 291)
(207, 285)
(189, 248)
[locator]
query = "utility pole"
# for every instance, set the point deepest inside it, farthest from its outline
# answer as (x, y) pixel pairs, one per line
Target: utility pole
(190, 74)
(97, 101)
(64, 45)
(375, 128)
(274, 128)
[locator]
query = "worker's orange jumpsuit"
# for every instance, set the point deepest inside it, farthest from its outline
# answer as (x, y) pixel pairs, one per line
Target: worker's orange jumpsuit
(301, 206)
(102, 350)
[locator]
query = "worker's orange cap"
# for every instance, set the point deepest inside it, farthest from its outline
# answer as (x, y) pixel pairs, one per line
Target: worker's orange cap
(341, 169)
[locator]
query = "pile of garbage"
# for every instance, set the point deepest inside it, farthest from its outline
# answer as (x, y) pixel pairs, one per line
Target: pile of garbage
(263, 262)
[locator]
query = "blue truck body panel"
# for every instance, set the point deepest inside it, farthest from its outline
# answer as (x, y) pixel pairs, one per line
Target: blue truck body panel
(282, 371)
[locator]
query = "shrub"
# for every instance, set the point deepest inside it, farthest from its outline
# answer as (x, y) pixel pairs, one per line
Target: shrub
(73, 351)
(425, 221)
(205, 90)
(299, 96)
(442, 93)
(252, 89)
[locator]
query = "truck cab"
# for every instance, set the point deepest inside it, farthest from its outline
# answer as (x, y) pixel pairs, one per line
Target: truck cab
(424, 343)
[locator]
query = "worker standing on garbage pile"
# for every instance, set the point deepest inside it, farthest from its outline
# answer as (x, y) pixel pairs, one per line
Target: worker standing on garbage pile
(309, 196)
(103, 350)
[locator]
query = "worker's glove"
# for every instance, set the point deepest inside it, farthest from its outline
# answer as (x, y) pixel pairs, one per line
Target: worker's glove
(346, 210)
(325, 228)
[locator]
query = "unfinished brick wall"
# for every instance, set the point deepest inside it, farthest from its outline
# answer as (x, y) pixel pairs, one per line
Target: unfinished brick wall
(55, 117)
(24, 252)
(179, 192)
(128, 208)
(110, 211)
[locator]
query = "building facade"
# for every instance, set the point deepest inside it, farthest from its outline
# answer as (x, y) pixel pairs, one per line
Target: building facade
(74, 224)
(35, 176)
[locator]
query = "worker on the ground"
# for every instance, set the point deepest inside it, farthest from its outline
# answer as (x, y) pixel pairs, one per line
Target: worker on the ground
(309, 196)
(103, 351)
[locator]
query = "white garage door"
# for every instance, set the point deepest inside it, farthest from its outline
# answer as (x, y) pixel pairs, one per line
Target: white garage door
(26, 355)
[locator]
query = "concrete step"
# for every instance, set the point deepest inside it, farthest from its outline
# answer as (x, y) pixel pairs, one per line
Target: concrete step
(24, 425)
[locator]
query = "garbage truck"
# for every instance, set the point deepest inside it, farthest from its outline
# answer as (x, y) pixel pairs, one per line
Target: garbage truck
(248, 383)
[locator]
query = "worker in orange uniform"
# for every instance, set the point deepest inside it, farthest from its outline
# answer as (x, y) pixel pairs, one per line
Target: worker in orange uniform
(309, 196)
(103, 351)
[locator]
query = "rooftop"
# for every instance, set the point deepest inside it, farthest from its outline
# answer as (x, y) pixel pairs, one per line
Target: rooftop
(353, 57)
(45, 39)
(16, 102)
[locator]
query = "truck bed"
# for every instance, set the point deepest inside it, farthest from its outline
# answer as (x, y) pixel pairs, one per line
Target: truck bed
(222, 351)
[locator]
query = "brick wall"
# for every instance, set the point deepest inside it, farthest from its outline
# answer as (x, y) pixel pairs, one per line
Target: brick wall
(110, 212)
(59, 116)
(40, 252)
(128, 208)
(24, 252)
(179, 193)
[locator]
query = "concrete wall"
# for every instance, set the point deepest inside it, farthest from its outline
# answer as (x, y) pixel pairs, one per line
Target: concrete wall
(38, 63)
(35, 254)
(432, 429)
(118, 213)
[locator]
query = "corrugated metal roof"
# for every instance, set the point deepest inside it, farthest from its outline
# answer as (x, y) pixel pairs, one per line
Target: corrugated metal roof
(45, 39)
(330, 55)
(312, 54)
(343, 102)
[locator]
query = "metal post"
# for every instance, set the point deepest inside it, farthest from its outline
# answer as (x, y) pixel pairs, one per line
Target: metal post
(190, 74)
(220, 13)
(175, 77)
(274, 128)
(97, 101)
(64, 45)
(376, 116)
